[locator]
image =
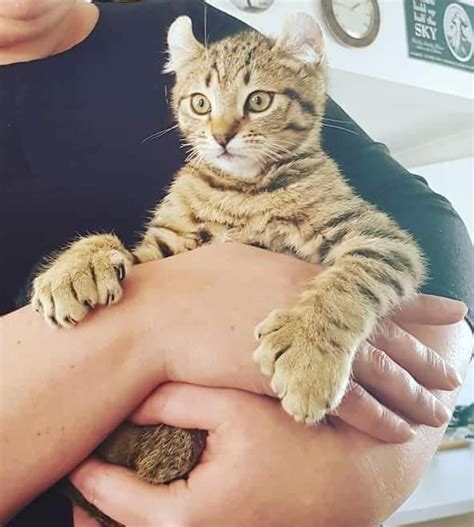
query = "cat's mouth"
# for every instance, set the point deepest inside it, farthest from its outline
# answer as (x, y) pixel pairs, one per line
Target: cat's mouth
(229, 155)
(233, 161)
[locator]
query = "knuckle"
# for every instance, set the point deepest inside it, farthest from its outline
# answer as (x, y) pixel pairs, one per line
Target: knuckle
(416, 348)
(421, 396)
(388, 330)
(355, 392)
(90, 488)
(413, 345)
(382, 416)
(381, 364)
(432, 359)
(160, 401)
(364, 351)
(376, 417)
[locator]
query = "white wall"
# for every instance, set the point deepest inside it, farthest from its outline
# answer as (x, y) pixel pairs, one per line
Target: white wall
(465, 397)
(387, 58)
(455, 180)
(423, 111)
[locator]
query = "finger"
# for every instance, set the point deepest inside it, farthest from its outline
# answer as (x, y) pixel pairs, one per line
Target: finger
(112, 489)
(431, 310)
(396, 389)
(360, 410)
(186, 406)
(82, 519)
(422, 362)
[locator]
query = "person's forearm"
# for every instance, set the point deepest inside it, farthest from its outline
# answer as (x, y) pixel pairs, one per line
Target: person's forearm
(61, 391)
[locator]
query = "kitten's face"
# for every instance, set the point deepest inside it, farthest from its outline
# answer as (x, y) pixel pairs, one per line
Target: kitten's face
(247, 101)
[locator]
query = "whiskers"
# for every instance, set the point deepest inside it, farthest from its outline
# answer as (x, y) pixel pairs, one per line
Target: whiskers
(336, 120)
(340, 128)
(194, 154)
(271, 151)
(337, 127)
(159, 134)
(193, 146)
(206, 36)
(194, 157)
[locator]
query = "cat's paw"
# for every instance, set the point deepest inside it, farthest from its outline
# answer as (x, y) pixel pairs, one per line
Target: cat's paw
(308, 376)
(87, 274)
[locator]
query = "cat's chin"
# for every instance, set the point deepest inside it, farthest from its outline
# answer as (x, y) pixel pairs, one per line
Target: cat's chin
(235, 166)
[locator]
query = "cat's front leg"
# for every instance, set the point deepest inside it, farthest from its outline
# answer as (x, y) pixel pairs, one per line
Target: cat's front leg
(161, 241)
(87, 274)
(308, 354)
(308, 350)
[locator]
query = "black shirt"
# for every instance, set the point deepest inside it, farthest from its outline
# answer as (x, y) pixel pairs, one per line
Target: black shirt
(73, 160)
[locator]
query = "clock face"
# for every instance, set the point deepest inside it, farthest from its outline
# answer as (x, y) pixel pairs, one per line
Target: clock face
(356, 17)
(353, 22)
(253, 5)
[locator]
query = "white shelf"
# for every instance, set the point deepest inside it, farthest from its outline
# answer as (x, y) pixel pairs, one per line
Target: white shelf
(447, 489)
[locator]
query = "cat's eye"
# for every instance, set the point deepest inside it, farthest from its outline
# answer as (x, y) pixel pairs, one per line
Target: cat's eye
(200, 104)
(259, 101)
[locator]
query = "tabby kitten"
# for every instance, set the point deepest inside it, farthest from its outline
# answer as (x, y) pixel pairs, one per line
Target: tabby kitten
(252, 109)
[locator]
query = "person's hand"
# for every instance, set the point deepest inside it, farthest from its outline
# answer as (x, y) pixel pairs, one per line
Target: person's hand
(393, 373)
(260, 469)
(202, 308)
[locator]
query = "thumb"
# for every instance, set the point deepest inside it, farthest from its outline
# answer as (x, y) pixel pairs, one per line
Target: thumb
(112, 489)
(431, 310)
(121, 494)
(186, 406)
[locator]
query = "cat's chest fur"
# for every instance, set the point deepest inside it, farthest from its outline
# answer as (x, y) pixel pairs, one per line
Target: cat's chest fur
(284, 221)
(278, 236)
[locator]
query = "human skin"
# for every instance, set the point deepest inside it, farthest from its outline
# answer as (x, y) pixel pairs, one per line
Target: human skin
(170, 326)
(293, 476)
(35, 29)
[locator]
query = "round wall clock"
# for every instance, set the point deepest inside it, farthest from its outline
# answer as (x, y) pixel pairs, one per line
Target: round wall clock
(253, 5)
(353, 22)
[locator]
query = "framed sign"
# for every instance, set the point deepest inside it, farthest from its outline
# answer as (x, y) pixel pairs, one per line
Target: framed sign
(441, 31)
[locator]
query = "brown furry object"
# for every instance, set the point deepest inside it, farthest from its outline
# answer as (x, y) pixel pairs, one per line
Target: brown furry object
(159, 454)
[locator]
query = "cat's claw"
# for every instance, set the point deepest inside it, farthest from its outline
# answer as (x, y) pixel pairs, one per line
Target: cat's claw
(309, 379)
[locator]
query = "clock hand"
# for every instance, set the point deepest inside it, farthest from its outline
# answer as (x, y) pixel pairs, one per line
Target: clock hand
(342, 5)
(356, 6)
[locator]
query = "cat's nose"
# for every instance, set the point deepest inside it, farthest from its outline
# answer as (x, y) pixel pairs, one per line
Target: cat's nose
(225, 138)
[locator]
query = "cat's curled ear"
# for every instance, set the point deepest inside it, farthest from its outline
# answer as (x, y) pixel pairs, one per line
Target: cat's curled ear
(183, 47)
(302, 38)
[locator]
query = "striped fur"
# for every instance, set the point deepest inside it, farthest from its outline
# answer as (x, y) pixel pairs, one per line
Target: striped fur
(276, 189)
